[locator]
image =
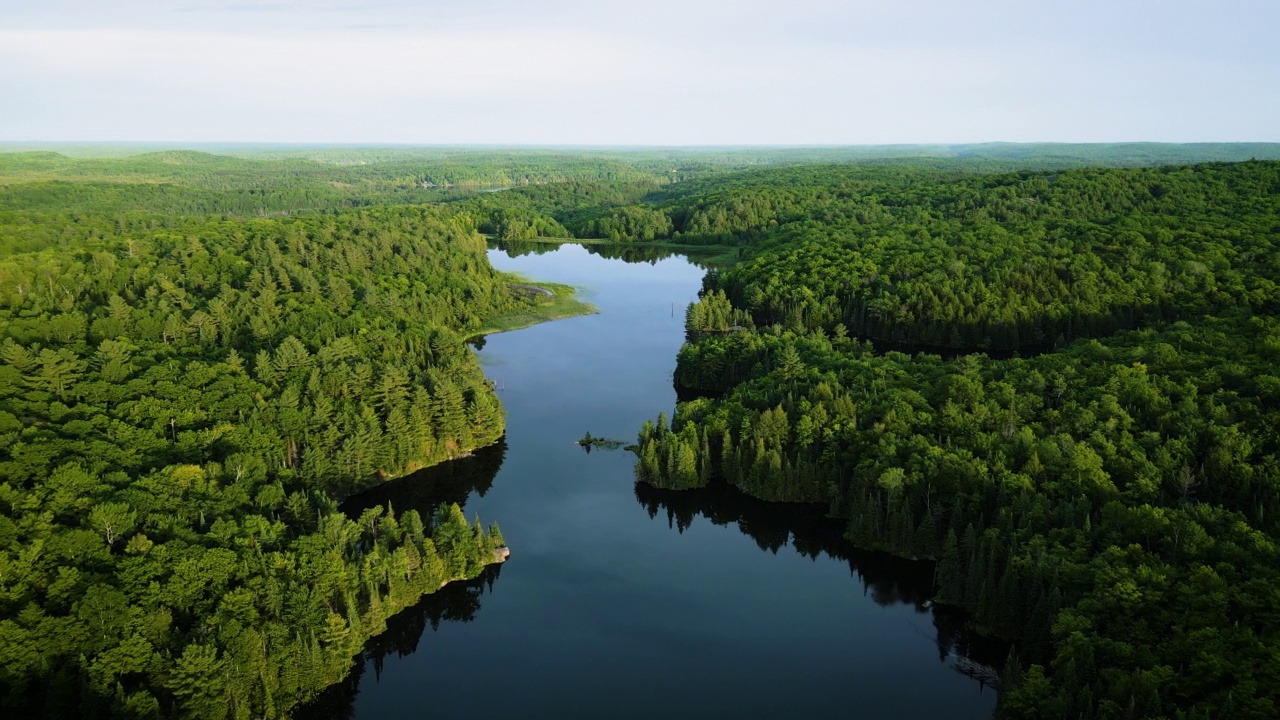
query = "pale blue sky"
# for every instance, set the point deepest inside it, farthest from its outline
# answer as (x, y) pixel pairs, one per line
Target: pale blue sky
(651, 72)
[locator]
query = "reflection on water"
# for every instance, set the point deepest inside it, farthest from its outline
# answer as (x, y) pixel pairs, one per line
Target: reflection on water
(458, 601)
(886, 579)
(429, 488)
(520, 248)
(625, 251)
(600, 593)
(634, 253)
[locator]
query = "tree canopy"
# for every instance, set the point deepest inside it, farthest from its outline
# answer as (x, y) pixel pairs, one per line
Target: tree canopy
(182, 401)
(1085, 438)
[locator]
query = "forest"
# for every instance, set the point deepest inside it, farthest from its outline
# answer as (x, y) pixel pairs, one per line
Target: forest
(1048, 372)
(183, 402)
(1060, 386)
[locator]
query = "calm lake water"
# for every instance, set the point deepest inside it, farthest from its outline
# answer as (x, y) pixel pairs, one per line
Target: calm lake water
(622, 601)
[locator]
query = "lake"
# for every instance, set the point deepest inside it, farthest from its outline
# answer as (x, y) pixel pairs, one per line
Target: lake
(623, 601)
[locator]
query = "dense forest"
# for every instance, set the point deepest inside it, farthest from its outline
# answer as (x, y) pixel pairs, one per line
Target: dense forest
(1048, 372)
(619, 194)
(1082, 430)
(182, 402)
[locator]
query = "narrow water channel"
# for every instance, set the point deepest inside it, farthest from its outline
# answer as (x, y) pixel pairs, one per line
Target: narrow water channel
(622, 601)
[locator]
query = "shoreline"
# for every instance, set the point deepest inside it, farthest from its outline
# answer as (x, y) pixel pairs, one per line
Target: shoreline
(561, 302)
(717, 253)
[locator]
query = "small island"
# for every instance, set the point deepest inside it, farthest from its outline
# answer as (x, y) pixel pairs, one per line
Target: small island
(590, 442)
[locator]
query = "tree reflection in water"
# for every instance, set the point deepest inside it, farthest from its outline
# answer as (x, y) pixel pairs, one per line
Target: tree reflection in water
(429, 488)
(886, 579)
(458, 601)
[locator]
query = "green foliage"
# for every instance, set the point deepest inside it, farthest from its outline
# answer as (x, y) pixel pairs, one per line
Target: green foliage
(182, 400)
(1114, 505)
(999, 262)
(191, 377)
(713, 313)
(266, 183)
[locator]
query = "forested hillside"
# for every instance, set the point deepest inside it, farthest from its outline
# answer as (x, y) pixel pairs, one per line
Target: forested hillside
(1110, 500)
(1007, 262)
(623, 194)
(182, 401)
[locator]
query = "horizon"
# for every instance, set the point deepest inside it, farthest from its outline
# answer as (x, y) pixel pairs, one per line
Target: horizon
(199, 145)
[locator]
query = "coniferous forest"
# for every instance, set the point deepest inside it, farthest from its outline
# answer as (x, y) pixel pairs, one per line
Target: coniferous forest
(183, 401)
(1061, 386)
(1051, 371)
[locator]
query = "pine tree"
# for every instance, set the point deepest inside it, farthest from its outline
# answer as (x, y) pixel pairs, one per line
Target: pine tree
(728, 457)
(950, 573)
(704, 460)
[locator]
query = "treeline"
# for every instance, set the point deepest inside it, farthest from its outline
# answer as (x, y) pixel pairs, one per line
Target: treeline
(993, 262)
(859, 198)
(694, 196)
(576, 209)
(1113, 506)
(457, 602)
(230, 173)
(184, 182)
(803, 529)
(1003, 263)
(169, 199)
(182, 401)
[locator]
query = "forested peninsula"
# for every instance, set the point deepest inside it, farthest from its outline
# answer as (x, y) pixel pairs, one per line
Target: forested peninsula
(183, 401)
(1062, 386)
(1048, 369)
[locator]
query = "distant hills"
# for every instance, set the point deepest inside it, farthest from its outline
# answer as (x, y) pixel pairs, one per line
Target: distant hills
(1036, 154)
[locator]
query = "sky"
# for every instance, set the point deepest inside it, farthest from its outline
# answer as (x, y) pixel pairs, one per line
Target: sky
(651, 72)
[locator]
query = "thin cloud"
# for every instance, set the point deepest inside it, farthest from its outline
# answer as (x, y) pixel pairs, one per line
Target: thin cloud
(659, 72)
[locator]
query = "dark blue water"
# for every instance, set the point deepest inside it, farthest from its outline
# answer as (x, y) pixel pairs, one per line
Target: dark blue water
(621, 601)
